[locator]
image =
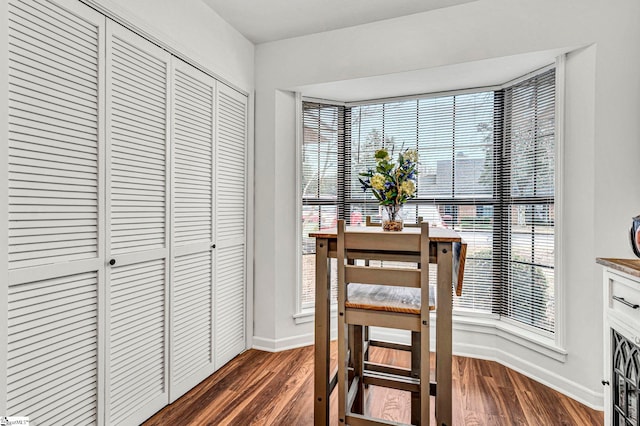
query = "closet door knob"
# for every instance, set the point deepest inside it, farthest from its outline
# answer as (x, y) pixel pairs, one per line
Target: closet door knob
(213, 246)
(112, 262)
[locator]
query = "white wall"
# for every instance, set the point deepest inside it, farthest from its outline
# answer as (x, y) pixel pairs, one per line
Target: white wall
(602, 148)
(194, 29)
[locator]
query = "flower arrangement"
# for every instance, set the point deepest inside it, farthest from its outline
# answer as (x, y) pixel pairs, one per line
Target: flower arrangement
(392, 183)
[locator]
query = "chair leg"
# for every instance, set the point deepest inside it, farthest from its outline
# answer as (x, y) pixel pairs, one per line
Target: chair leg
(425, 384)
(415, 372)
(351, 340)
(365, 352)
(343, 375)
(415, 408)
(366, 340)
(358, 368)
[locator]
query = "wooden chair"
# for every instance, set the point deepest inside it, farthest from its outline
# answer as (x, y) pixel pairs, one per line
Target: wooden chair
(382, 297)
(379, 343)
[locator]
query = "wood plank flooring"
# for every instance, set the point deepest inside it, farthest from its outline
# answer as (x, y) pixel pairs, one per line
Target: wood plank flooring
(262, 388)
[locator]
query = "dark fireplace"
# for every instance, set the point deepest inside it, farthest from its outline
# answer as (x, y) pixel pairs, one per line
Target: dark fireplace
(625, 380)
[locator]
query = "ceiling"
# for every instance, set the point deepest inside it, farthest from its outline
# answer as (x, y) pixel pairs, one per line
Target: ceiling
(262, 21)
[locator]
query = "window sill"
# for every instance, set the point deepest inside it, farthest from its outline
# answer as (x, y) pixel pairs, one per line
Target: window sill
(308, 314)
(480, 323)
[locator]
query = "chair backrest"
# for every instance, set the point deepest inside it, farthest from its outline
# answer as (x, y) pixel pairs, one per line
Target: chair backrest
(461, 249)
(369, 245)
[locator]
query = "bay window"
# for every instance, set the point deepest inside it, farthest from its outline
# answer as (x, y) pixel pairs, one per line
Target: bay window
(487, 170)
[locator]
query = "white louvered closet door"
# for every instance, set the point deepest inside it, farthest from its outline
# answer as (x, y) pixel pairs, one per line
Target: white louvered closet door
(137, 226)
(230, 233)
(56, 259)
(193, 106)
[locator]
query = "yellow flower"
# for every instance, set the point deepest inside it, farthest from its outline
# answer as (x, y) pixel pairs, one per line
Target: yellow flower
(411, 155)
(408, 187)
(377, 181)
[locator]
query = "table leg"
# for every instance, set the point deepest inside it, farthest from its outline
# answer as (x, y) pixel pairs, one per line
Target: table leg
(443, 335)
(322, 334)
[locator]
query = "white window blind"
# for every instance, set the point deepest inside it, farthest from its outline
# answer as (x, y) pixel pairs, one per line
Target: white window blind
(454, 138)
(486, 170)
(322, 183)
(527, 199)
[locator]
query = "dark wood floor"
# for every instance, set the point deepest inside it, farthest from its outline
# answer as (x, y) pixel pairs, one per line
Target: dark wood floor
(264, 388)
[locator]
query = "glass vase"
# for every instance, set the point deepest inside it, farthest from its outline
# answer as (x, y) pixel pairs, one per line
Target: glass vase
(392, 217)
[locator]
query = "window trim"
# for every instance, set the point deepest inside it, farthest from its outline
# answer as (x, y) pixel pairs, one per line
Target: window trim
(560, 329)
(553, 346)
(299, 142)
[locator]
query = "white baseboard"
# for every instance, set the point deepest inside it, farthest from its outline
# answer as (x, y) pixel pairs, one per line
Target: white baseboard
(272, 345)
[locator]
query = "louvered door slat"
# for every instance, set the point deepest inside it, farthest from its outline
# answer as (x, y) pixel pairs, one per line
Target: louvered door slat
(130, 108)
(69, 114)
(30, 172)
(130, 161)
(194, 142)
(149, 62)
(231, 183)
(192, 108)
(138, 97)
(34, 21)
(137, 82)
(27, 354)
(51, 164)
(56, 374)
(55, 146)
(28, 40)
(62, 102)
(63, 17)
(50, 92)
(149, 154)
(149, 68)
(197, 294)
(27, 58)
(82, 76)
(140, 342)
(194, 92)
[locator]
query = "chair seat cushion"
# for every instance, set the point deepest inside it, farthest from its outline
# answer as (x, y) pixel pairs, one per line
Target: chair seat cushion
(386, 298)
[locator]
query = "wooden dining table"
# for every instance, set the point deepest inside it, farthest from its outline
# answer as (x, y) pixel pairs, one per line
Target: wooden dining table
(447, 250)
